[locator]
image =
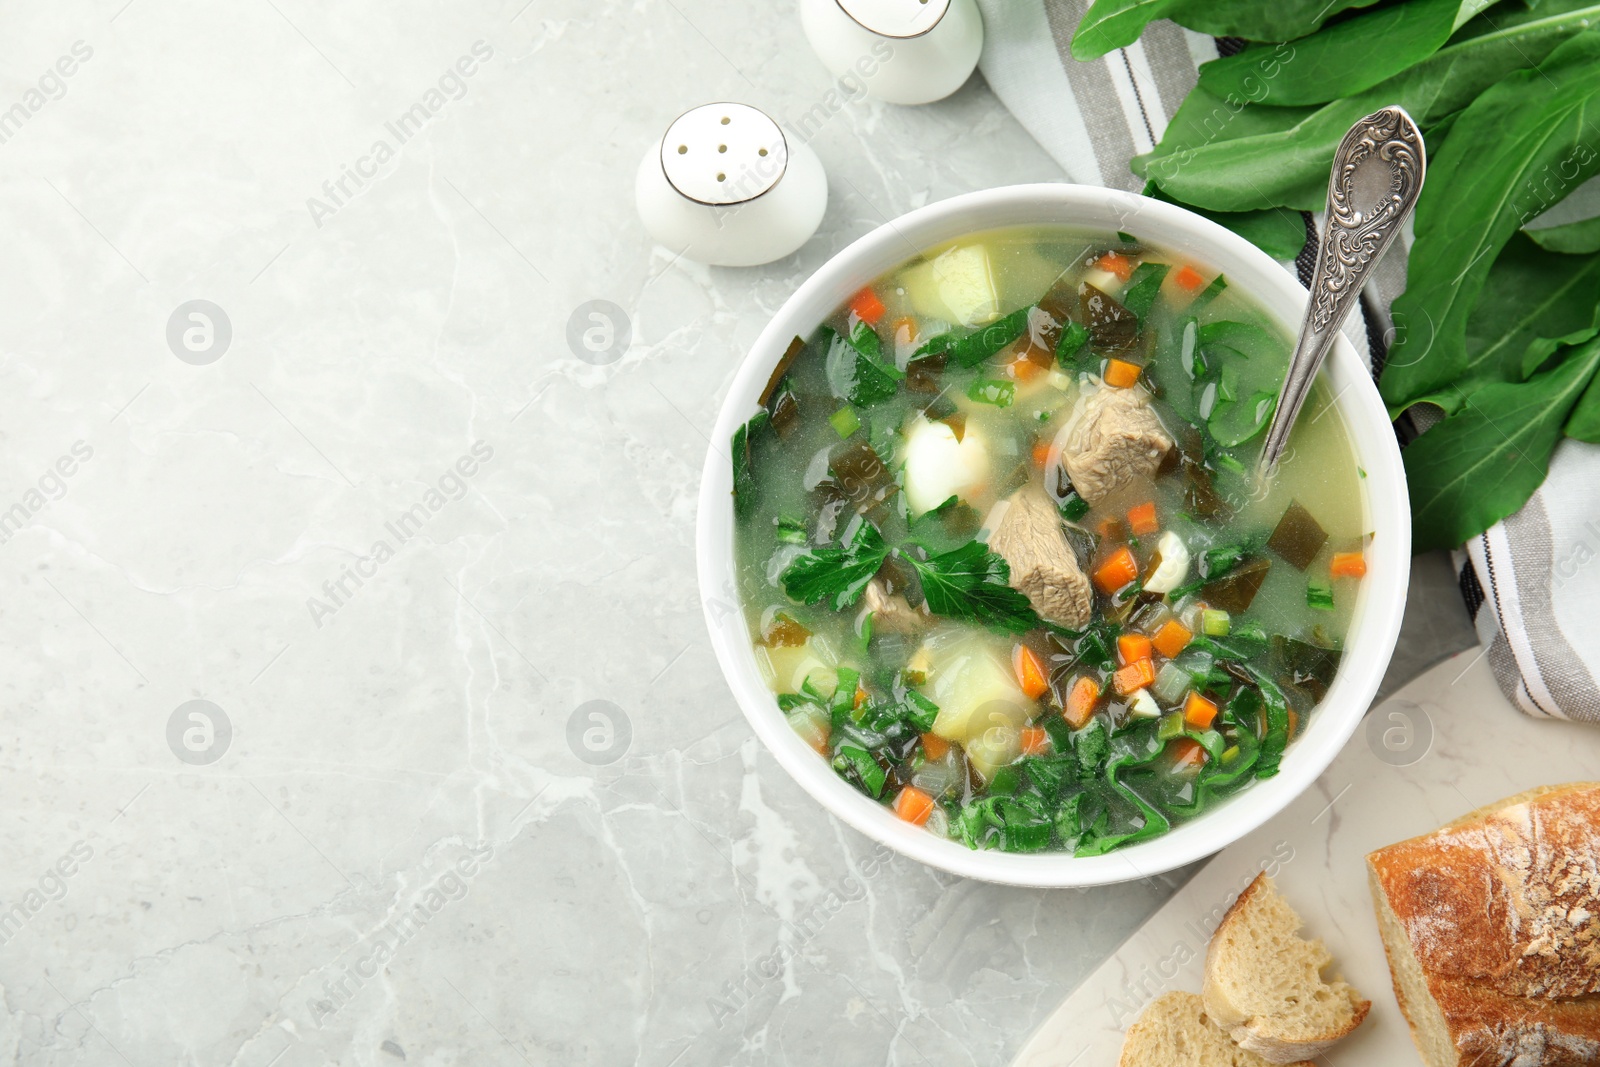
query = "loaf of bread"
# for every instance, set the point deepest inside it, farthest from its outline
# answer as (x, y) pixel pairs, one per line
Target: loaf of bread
(1174, 1032)
(1264, 982)
(1492, 928)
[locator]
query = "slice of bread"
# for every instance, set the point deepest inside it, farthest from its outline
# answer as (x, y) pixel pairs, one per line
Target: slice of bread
(1264, 982)
(1175, 1032)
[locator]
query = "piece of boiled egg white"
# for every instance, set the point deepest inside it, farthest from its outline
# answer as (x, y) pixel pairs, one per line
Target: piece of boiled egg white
(938, 466)
(1174, 565)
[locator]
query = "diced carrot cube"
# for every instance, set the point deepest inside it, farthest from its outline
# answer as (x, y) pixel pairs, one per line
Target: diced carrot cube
(1081, 699)
(1024, 369)
(868, 308)
(1172, 638)
(1188, 753)
(1118, 570)
(1142, 519)
(1135, 676)
(913, 805)
(934, 746)
(1188, 278)
(1132, 647)
(1121, 374)
(1031, 675)
(1034, 741)
(1198, 711)
(1041, 453)
(1348, 565)
(1116, 263)
(861, 696)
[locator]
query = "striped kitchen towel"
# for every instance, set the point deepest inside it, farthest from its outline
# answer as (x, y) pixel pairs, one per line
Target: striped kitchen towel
(1531, 581)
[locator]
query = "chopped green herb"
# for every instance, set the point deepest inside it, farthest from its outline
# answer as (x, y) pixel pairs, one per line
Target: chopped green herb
(744, 484)
(970, 582)
(858, 766)
(837, 575)
(857, 371)
(973, 348)
(1060, 733)
(1074, 507)
(1000, 394)
(1074, 337)
(1277, 714)
(845, 421)
(1094, 646)
(1215, 623)
(1090, 747)
(791, 532)
(1210, 292)
(1319, 595)
(1211, 741)
(898, 718)
(1144, 287)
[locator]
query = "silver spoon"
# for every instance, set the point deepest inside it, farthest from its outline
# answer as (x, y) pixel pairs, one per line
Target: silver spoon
(1377, 174)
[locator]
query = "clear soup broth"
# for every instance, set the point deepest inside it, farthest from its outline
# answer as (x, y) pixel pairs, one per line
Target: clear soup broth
(1003, 552)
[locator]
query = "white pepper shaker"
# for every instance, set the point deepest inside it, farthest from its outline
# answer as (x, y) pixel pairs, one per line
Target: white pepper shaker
(903, 51)
(725, 186)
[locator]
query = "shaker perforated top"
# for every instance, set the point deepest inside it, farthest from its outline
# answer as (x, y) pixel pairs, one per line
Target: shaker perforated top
(896, 18)
(722, 154)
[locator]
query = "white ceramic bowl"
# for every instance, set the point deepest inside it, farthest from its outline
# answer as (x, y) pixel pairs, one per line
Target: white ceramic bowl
(1379, 605)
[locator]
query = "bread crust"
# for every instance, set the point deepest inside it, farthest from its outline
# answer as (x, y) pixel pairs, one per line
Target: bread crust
(1509, 896)
(1253, 1034)
(1500, 909)
(1492, 1029)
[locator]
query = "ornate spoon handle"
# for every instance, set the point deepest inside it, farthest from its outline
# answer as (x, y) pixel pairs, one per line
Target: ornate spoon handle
(1377, 174)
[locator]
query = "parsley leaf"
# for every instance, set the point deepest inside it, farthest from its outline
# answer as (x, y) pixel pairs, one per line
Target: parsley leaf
(970, 582)
(856, 369)
(837, 575)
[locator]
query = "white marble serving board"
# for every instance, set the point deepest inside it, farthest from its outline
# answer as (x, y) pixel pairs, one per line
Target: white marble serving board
(1444, 745)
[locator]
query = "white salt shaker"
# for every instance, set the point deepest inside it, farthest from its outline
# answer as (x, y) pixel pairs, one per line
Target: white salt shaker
(903, 51)
(725, 186)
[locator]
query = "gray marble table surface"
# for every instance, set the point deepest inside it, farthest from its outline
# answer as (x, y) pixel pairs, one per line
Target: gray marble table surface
(307, 599)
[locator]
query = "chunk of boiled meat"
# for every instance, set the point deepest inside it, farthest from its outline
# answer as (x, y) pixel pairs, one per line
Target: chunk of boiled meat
(1043, 566)
(1115, 439)
(891, 612)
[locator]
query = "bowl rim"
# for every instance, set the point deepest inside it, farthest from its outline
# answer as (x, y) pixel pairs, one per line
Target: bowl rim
(1375, 624)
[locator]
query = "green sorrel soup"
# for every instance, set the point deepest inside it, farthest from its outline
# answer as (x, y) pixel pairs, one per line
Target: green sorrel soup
(1004, 556)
